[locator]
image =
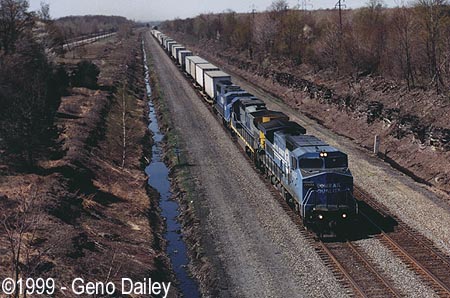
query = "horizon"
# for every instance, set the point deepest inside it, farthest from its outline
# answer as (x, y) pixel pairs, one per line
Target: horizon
(159, 12)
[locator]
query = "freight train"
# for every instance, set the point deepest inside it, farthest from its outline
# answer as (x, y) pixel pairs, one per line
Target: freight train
(312, 176)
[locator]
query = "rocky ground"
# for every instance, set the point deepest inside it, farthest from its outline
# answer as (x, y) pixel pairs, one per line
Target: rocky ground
(85, 216)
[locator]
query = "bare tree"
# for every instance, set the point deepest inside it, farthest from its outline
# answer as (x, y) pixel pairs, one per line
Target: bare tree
(433, 15)
(21, 228)
(44, 13)
(403, 28)
(279, 6)
(370, 32)
(124, 126)
(14, 20)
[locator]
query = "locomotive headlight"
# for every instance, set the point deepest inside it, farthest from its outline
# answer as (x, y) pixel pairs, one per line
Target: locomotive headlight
(320, 216)
(323, 154)
(344, 215)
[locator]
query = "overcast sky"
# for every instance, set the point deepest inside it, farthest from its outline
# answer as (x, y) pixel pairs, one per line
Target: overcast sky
(150, 10)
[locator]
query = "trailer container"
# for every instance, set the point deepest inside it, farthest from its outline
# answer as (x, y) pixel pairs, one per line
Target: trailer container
(175, 51)
(182, 57)
(172, 46)
(161, 38)
(212, 78)
(191, 61)
(200, 69)
(165, 40)
(169, 45)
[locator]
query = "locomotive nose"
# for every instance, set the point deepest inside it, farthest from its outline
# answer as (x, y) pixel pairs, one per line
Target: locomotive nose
(332, 224)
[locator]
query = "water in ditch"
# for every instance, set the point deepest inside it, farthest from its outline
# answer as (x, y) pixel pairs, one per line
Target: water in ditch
(158, 174)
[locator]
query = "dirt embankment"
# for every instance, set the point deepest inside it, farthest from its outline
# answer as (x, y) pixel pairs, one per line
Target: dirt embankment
(413, 125)
(84, 215)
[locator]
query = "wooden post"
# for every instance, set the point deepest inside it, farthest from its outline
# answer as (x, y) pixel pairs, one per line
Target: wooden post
(177, 152)
(376, 145)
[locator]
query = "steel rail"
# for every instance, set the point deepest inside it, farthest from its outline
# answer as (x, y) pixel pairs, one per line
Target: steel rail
(431, 276)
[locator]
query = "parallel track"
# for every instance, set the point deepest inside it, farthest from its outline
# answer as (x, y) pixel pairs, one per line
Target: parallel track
(415, 250)
(352, 267)
(362, 275)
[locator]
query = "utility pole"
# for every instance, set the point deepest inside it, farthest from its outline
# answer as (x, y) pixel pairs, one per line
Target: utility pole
(250, 50)
(304, 5)
(340, 5)
(253, 7)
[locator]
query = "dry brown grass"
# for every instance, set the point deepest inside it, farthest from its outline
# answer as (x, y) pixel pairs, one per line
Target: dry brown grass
(97, 219)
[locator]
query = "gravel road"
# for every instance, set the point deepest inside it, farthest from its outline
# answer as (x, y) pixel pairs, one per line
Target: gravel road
(262, 252)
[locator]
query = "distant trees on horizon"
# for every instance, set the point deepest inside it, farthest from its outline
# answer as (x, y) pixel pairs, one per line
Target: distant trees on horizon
(76, 26)
(406, 43)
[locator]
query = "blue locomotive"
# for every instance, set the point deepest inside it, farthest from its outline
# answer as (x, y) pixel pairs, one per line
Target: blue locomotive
(312, 176)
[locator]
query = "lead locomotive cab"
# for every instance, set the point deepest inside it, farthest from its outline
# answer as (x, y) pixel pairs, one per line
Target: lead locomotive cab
(321, 174)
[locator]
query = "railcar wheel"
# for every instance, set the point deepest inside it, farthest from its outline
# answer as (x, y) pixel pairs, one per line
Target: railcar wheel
(286, 197)
(305, 224)
(273, 180)
(262, 169)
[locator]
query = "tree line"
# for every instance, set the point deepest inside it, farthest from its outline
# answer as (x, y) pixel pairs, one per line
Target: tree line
(409, 43)
(32, 83)
(75, 26)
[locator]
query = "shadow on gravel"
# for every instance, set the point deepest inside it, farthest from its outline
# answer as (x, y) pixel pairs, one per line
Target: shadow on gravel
(182, 165)
(363, 228)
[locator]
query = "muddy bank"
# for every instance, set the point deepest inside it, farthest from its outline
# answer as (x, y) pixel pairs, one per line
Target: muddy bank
(203, 267)
(413, 126)
(158, 174)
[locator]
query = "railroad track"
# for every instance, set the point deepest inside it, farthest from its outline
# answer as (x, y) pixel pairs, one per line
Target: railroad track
(361, 274)
(352, 267)
(413, 249)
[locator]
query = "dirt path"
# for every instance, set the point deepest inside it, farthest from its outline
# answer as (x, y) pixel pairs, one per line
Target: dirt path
(261, 251)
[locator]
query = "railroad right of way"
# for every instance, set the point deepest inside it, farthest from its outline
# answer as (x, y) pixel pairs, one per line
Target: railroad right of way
(263, 254)
(411, 202)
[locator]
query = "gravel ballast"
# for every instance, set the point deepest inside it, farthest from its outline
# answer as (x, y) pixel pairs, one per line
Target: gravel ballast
(402, 277)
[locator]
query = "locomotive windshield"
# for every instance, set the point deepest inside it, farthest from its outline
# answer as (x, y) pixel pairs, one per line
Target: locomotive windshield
(311, 163)
(336, 162)
(327, 163)
(232, 96)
